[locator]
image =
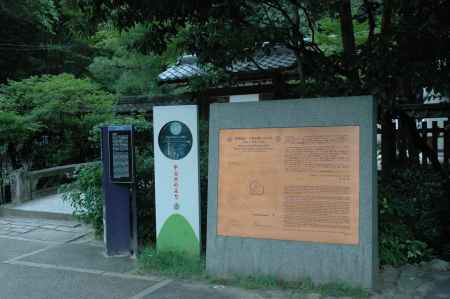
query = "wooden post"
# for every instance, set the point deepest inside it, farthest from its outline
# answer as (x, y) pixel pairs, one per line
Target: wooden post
(425, 138)
(401, 137)
(446, 143)
(411, 146)
(434, 139)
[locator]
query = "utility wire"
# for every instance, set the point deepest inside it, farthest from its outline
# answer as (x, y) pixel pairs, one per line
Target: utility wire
(34, 48)
(40, 46)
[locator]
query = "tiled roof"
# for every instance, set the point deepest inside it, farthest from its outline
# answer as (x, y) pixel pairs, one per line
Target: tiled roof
(277, 58)
(182, 70)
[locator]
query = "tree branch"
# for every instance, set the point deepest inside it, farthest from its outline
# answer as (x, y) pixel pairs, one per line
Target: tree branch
(277, 6)
(371, 18)
(310, 23)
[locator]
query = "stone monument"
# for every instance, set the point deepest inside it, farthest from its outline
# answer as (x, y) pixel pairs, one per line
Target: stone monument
(292, 190)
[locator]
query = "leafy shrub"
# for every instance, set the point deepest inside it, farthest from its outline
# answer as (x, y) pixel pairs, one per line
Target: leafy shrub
(145, 196)
(397, 248)
(85, 195)
(412, 215)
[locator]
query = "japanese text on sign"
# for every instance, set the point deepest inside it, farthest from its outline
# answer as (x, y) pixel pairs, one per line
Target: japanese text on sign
(290, 183)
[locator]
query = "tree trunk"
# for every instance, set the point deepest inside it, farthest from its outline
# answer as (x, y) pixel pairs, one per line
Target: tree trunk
(301, 75)
(371, 19)
(298, 42)
(387, 18)
(347, 34)
(348, 39)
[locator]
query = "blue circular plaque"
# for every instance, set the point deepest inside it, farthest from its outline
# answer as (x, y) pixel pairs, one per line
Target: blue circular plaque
(175, 140)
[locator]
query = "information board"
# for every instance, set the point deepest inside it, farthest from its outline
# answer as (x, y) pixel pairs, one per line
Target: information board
(121, 154)
(297, 184)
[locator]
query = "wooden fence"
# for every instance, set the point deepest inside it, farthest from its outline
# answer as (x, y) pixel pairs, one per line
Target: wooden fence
(438, 139)
(437, 136)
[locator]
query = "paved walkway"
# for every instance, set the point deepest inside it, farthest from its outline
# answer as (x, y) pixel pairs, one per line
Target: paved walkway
(50, 259)
(51, 204)
(47, 207)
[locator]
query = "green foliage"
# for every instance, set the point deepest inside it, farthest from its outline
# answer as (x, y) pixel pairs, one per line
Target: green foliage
(60, 107)
(413, 211)
(73, 22)
(124, 70)
(41, 13)
(15, 126)
(24, 23)
(43, 37)
(145, 181)
(328, 36)
(85, 195)
(394, 62)
(397, 248)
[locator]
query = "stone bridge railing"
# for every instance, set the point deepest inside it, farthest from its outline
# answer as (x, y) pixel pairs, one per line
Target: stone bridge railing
(24, 183)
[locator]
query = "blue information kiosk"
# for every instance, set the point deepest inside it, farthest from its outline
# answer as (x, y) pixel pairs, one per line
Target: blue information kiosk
(119, 210)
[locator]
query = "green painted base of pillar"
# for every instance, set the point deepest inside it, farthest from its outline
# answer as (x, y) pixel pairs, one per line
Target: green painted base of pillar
(177, 235)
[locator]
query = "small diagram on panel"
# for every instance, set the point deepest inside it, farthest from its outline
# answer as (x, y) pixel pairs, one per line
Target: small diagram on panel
(255, 188)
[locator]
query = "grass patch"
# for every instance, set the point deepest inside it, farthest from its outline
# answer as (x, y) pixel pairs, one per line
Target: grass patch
(254, 282)
(171, 264)
(190, 267)
(341, 289)
(299, 287)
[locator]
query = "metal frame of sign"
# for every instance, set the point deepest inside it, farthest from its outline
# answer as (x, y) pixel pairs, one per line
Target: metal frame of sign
(122, 130)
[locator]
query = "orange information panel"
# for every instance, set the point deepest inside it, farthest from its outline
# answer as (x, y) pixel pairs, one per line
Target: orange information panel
(298, 184)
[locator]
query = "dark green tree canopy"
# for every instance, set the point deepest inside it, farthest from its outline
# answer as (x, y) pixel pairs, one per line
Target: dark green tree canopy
(61, 107)
(402, 46)
(42, 37)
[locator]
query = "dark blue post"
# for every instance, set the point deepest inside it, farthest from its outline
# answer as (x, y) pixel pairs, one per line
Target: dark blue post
(116, 210)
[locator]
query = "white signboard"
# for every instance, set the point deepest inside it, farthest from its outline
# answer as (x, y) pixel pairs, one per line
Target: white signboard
(175, 131)
(244, 98)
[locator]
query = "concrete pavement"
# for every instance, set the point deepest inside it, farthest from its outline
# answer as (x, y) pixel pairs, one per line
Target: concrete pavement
(47, 207)
(53, 203)
(48, 259)
(59, 259)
